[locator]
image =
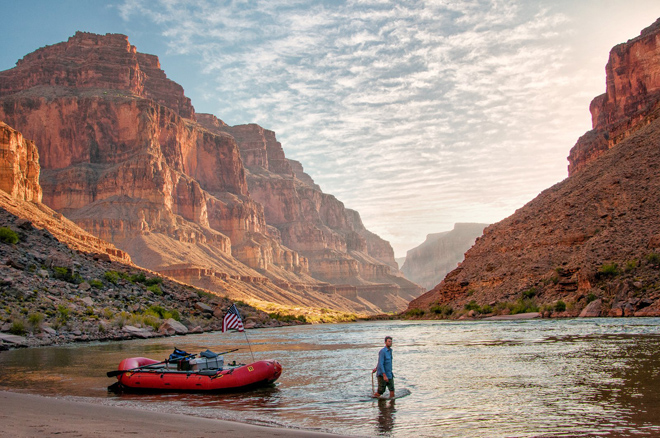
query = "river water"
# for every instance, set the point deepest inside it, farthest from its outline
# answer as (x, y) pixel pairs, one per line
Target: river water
(546, 378)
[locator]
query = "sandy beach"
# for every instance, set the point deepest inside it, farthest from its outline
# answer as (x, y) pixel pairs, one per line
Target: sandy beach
(27, 415)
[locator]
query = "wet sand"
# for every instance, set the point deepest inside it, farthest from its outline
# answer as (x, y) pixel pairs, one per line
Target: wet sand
(27, 415)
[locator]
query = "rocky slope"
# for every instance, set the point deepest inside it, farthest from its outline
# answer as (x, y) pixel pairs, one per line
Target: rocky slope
(123, 156)
(428, 263)
(60, 284)
(590, 244)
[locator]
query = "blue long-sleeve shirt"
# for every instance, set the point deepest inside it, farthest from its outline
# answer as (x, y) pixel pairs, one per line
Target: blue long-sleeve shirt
(385, 363)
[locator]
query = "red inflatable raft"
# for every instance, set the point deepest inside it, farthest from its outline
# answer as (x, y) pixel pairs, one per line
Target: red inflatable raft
(153, 375)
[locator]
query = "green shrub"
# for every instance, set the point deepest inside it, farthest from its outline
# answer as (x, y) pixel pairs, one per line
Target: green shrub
(631, 265)
(472, 305)
(560, 306)
(287, 318)
(415, 312)
(151, 321)
(17, 327)
(523, 305)
(443, 310)
(111, 276)
(138, 278)
(35, 319)
(155, 289)
(486, 308)
(121, 319)
(609, 270)
(162, 313)
(63, 313)
(653, 258)
(66, 274)
(209, 296)
(98, 284)
(590, 298)
(61, 272)
(529, 293)
(153, 280)
(9, 236)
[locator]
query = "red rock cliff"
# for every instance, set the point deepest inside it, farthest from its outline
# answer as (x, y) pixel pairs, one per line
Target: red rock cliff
(21, 196)
(633, 91)
(123, 156)
(19, 173)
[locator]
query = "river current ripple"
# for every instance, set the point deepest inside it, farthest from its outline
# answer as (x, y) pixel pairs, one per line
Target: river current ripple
(538, 378)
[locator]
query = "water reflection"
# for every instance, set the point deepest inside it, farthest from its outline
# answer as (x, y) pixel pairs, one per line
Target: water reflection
(386, 412)
(479, 379)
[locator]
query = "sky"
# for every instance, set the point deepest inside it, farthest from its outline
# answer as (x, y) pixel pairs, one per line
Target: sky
(417, 114)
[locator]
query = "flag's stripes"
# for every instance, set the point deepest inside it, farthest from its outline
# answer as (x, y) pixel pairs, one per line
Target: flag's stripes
(232, 320)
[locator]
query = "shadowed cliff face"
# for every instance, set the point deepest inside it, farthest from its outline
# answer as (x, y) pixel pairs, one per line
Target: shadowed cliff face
(123, 156)
(594, 237)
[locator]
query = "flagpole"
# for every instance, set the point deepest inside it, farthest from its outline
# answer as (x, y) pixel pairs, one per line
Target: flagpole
(250, 346)
(233, 319)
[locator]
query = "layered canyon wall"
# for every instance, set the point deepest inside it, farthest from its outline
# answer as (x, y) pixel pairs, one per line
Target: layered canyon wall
(123, 155)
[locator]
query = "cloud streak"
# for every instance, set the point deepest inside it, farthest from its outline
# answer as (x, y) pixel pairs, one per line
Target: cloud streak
(416, 114)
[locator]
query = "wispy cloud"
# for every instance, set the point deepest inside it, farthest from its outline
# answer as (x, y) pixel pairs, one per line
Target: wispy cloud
(416, 114)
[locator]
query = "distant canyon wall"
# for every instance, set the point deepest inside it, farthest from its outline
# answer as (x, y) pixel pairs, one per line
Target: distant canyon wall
(428, 263)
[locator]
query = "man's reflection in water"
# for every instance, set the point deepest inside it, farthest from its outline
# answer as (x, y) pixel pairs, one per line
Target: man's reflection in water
(386, 411)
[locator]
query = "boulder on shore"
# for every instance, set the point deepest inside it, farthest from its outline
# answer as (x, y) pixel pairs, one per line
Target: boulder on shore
(172, 327)
(592, 310)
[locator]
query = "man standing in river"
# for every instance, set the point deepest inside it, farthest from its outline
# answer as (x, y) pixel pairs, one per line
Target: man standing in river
(384, 369)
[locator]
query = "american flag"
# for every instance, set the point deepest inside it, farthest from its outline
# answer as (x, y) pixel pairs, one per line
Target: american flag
(232, 320)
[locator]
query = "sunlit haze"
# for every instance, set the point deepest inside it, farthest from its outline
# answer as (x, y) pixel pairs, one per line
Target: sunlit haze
(417, 114)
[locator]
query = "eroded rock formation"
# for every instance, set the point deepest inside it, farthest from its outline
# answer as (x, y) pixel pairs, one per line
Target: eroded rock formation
(632, 92)
(122, 155)
(20, 196)
(19, 174)
(594, 237)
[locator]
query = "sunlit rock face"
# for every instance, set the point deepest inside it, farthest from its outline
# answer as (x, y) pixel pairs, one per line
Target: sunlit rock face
(20, 195)
(440, 253)
(633, 91)
(19, 173)
(595, 235)
(123, 154)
